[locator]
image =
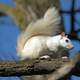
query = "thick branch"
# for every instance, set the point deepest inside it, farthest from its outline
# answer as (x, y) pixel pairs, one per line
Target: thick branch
(35, 67)
(11, 68)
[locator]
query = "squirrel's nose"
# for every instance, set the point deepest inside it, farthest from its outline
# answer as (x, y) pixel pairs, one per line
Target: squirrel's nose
(70, 46)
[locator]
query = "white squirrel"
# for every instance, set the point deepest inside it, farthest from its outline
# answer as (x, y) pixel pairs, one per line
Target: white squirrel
(41, 35)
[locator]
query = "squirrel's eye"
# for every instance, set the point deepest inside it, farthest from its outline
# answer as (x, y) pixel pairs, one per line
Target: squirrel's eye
(67, 41)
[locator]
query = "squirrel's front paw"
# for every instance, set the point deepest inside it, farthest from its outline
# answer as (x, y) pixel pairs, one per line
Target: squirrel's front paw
(65, 57)
(45, 57)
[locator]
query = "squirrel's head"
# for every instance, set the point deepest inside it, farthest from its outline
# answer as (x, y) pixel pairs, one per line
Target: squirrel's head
(65, 41)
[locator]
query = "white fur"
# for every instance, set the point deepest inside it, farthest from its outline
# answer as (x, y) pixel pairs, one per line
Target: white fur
(33, 47)
(36, 45)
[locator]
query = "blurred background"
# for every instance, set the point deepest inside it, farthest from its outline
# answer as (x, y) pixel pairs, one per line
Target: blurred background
(9, 31)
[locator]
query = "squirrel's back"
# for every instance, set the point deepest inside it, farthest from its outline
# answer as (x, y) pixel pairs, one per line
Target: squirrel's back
(47, 26)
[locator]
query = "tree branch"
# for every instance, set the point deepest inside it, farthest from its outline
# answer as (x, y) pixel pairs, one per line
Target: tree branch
(32, 67)
(19, 68)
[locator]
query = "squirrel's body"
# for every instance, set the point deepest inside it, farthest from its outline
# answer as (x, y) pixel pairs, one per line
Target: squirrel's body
(35, 46)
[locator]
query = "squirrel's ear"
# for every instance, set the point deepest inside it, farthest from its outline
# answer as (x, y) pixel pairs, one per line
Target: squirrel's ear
(62, 35)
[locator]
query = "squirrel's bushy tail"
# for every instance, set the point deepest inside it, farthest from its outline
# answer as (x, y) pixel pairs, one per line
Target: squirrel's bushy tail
(46, 26)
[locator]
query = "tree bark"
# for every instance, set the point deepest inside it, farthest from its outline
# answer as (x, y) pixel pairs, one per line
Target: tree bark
(32, 67)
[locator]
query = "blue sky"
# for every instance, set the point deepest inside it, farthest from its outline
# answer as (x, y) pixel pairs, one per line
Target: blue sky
(9, 33)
